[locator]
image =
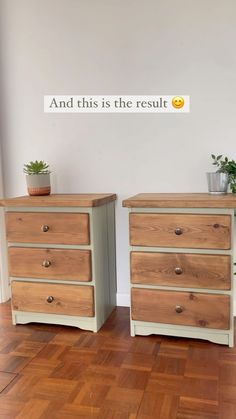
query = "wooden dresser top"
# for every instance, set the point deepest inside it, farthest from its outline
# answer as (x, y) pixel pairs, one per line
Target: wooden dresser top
(60, 200)
(180, 200)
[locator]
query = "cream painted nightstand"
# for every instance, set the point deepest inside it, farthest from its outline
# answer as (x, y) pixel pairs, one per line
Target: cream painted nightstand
(61, 253)
(181, 265)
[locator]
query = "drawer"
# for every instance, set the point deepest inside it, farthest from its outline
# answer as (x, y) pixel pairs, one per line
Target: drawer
(42, 227)
(180, 230)
(181, 270)
(71, 300)
(63, 264)
(182, 308)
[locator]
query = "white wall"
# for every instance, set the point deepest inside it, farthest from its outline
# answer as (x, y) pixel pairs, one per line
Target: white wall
(118, 47)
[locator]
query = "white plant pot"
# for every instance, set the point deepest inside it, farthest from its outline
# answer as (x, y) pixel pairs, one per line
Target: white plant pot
(38, 184)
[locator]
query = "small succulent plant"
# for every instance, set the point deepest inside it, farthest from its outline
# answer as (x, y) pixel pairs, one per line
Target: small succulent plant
(36, 168)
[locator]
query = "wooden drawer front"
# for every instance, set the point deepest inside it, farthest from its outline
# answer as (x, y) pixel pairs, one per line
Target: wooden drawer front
(180, 230)
(63, 264)
(197, 309)
(60, 228)
(181, 270)
(71, 300)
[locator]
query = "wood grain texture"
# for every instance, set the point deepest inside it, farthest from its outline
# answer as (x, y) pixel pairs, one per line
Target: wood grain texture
(197, 270)
(180, 200)
(64, 228)
(198, 309)
(197, 231)
(60, 200)
(34, 408)
(65, 372)
(5, 379)
(64, 264)
(74, 300)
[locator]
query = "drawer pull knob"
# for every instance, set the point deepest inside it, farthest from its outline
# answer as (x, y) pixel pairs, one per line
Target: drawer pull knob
(50, 299)
(178, 271)
(178, 231)
(178, 309)
(46, 263)
(45, 228)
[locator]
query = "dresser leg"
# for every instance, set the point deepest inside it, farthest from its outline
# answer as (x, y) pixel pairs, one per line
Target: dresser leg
(13, 319)
(231, 340)
(132, 328)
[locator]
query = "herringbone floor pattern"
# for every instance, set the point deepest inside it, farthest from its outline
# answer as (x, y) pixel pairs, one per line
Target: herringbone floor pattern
(59, 372)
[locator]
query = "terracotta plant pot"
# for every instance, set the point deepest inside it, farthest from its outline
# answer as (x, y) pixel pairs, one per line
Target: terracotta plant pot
(38, 184)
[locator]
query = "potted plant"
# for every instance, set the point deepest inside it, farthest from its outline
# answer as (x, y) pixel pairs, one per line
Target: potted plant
(228, 167)
(225, 175)
(37, 178)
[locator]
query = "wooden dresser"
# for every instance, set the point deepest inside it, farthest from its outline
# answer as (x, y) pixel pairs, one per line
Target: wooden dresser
(181, 265)
(61, 257)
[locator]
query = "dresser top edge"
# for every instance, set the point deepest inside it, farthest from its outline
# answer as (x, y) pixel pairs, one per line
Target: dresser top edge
(60, 200)
(180, 200)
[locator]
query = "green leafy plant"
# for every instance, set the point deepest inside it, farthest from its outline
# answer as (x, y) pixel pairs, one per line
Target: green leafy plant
(36, 168)
(225, 165)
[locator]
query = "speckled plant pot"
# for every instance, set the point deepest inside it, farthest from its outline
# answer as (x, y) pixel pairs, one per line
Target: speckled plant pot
(38, 184)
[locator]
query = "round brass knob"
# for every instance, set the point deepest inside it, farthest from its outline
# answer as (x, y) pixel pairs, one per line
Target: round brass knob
(178, 309)
(45, 228)
(50, 299)
(46, 263)
(178, 271)
(178, 231)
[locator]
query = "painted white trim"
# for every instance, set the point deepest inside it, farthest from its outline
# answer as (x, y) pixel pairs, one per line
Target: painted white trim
(4, 282)
(123, 300)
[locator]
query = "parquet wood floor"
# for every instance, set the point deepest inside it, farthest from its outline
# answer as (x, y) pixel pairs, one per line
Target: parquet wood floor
(55, 372)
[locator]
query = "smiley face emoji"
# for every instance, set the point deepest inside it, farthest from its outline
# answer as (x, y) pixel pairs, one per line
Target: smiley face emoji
(178, 102)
